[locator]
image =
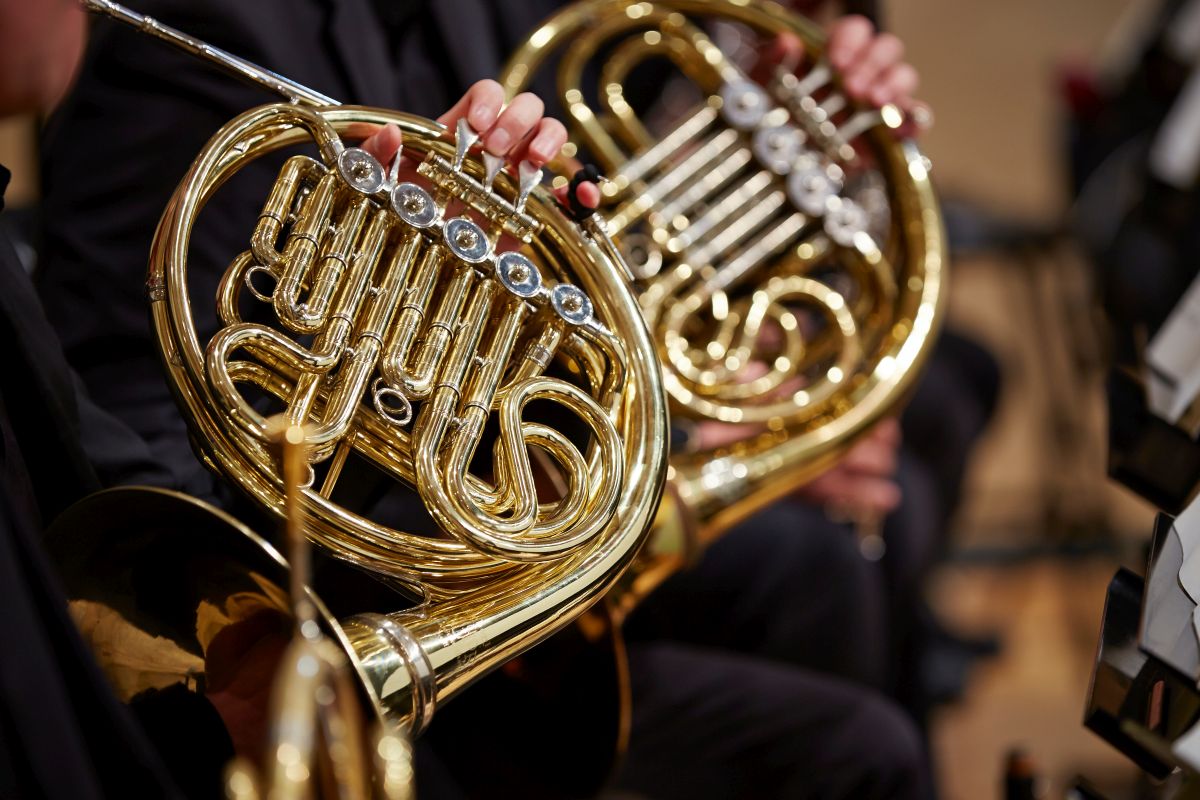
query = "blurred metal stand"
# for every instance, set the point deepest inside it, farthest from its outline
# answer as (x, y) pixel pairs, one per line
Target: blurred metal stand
(1053, 292)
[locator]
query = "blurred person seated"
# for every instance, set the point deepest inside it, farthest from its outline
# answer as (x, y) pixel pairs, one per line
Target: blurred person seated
(62, 732)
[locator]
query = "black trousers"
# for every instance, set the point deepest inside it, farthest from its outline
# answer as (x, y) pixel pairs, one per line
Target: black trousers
(752, 674)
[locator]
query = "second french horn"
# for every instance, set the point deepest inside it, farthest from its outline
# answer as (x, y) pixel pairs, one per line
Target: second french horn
(788, 246)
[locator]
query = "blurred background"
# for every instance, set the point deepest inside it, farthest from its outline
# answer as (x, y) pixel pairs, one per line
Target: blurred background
(1042, 529)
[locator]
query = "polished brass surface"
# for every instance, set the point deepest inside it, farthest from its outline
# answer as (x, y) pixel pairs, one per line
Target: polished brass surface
(788, 245)
(418, 311)
(315, 735)
(189, 614)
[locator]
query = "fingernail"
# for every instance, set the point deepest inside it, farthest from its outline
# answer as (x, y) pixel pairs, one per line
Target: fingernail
(499, 141)
(540, 148)
(481, 117)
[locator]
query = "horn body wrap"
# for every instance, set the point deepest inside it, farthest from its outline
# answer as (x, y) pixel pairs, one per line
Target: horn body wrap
(789, 248)
(402, 317)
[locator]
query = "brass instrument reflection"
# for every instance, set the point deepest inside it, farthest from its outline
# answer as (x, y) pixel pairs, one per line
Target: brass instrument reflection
(788, 246)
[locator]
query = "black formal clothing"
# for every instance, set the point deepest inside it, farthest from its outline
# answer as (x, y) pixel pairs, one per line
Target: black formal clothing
(788, 585)
(711, 723)
(62, 733)
(784, 603)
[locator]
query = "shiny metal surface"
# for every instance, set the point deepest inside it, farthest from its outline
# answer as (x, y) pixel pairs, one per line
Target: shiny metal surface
(401, 335)
(189, 614)
(789, 249)
(315, 736)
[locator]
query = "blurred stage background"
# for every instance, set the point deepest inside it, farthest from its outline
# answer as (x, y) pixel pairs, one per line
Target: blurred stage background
(1042, 529)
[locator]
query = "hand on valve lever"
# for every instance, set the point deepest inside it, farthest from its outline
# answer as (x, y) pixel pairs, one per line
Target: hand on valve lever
(518, 132)
(871, 65)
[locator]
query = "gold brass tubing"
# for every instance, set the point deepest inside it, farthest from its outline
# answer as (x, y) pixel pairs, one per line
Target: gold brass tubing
(301, 249)
(600, 358)
(264, 241)
(438, 335)
(775, 239)
(290, 443)
(744, 196)
(434, 476)
(336, 464)
(383, 307)
(675, 33)
(335, 260)
(810, 396)
(310, 316)
(477, 398)
(735, 229)
(552, 543)
(683, 133)
(484, 383)
(231, 284)
(715, 150)
(331, 343)
(622, 60)
(866, 255)
(408, 325)
(539, 352)
(311, 363)
(701, 190)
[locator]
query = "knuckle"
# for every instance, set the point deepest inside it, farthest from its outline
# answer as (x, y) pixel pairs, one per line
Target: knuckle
(486, 86)
(855, 21)
(529, 104)
(890, 45)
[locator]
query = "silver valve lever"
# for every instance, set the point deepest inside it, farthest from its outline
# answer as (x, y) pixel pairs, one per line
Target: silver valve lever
(529, 177)
(791, 62)
(820, 75)
(394, 170)
(465, 137)
(492, 165)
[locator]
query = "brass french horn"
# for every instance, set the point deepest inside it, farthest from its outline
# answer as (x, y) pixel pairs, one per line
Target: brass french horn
(788, 245)
(397, 316)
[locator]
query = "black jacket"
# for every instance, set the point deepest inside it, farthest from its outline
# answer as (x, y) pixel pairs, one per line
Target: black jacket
(62, 733)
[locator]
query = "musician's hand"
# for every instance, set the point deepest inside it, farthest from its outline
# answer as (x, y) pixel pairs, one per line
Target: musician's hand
(871, 65)
(863, 483)
(380, 141)
(587, 192)
(519, 131)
